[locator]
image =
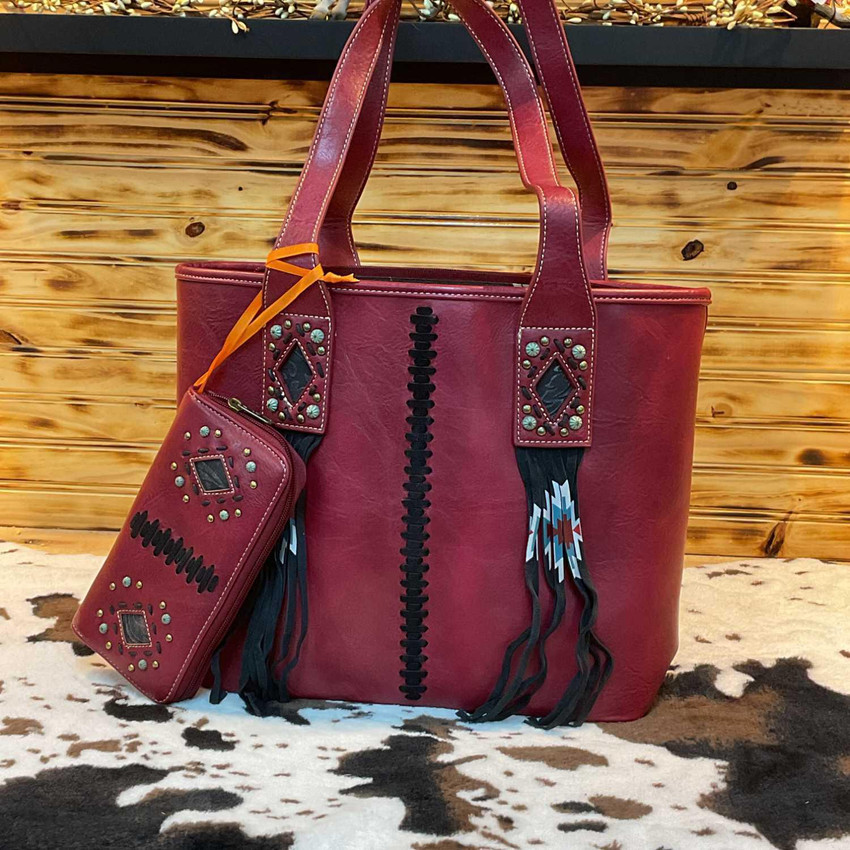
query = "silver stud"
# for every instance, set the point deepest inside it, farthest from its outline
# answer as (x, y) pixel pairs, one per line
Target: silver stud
(155, 665)
(276, 331)
(139, 585)
(580, 409)
(238, 512)
(532, 349)
(173, 465)
(568, 340)
(300, 417)
(131, 667)
(143, 665)
(287, 324)
(126, 581)
(205, 431)
(218, 432)
(544, 340)
(223, 515)
(210, 518)
(169, 638)
(272, 404)
(246, 452)
(100, 612)
(317, 396)
(583, 365)
(529, 423)
(103, 628)
(318, 335)
(166, 619)
(575, 423)
(541, 430)
(579, 351)
(253, 485)
(526, 364)
(187, 436)
(565, 431)
(179, 480)
(321, 349)
(313, 411)
(526, 408)
(161, 606)
(251, 466)
(306, 326)
(112, 585)
(186, 497)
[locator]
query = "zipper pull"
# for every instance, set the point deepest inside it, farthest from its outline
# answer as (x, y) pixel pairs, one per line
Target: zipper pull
(235, 404)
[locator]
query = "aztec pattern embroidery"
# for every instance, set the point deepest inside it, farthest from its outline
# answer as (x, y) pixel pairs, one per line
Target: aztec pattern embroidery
(416, 503)
(554, 532)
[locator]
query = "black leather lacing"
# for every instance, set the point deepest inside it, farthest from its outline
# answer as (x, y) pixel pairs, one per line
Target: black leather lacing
(416, 503)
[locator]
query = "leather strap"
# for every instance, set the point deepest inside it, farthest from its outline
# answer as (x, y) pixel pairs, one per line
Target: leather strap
(572, 125)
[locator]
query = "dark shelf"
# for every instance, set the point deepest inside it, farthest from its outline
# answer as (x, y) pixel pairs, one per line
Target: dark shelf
(436, 52)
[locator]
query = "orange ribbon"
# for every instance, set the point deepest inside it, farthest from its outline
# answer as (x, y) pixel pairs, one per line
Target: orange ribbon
(253, 319)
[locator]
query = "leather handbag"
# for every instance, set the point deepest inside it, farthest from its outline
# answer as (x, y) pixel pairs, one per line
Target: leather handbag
(498, 464)
(218, 496)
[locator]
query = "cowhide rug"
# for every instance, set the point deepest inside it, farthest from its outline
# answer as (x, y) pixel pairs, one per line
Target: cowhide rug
(747, 747)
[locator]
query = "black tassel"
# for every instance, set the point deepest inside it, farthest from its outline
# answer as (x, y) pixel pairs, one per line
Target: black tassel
(554, 549)
(282, 585)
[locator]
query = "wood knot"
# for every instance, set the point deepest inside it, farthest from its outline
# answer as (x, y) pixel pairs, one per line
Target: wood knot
(693, 249)
(195, 228)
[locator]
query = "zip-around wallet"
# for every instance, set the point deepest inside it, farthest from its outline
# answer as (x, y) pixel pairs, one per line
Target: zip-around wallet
(220, 491)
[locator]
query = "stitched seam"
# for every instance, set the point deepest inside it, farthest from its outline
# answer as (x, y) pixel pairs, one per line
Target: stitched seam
(260, 525)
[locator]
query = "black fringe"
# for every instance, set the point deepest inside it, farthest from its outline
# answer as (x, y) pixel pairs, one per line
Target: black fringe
(282, 585)
(539, 468)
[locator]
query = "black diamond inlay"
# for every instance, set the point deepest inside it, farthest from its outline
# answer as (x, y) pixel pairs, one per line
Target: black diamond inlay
(135, 629)
(554, 388)
(212, 474)
(295, 373)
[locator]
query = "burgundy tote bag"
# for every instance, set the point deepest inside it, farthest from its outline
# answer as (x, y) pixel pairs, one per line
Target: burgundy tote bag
(498, 465)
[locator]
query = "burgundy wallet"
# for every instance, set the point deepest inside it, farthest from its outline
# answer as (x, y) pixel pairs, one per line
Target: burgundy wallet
(223, 486)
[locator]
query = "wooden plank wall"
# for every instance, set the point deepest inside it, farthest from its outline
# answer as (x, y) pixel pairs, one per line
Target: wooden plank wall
(106, 182)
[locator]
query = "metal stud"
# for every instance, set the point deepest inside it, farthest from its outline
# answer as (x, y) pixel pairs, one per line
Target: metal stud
(579, 351)
(223, 515)
(131, 667)
(161, 605)
(526, 364)
(187, 436)
(544, 340)
(532, 349)
(246, 452)
(317, 396)
(526, 408)
(306, 326)
(529, 423)
(112, 585)
(272, 346)
(281, 415)
(253, 485)
(580, 409)
(287, 324)
(173, 465)
(575, 423)
(210, 518)
(109, 644)
(138, 585)
(126, 581)
(541, 430)
(166, 619)
(317, 335)
(568, 340)
(143, 665)
(271, 389)
(565, 431)
(313, 411)
(185, 497)
(179, 480)
(583, 365)
(169, 638)
(238, 512)
(272, 404)
(251, 466)
(155, 665)
(100, 612)
(276, 331)
(321, 349)
(205, 431)
(217, 432)
(103, 628)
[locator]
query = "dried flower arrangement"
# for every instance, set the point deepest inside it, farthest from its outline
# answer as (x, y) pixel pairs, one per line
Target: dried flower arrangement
(712, 13)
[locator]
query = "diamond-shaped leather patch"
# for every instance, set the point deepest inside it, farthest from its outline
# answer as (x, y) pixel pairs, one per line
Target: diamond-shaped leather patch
(554, 388)
(295, 373)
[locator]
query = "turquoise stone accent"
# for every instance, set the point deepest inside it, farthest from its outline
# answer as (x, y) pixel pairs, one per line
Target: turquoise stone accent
(312, 411)
(251, 466)
(205, 432)
(317, 335)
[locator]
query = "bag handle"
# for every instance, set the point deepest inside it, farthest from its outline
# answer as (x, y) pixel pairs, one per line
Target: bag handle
(572, 126)
(559, 287)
